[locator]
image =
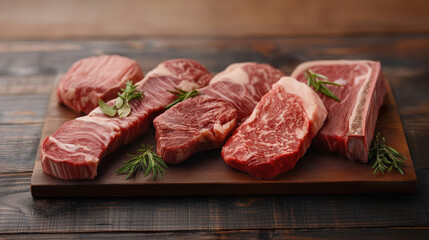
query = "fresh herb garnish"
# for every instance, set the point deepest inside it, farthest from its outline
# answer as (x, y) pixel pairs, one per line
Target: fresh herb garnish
(182, 95)
(313, 80)
(108, 110)
(148, 161)
(122, 105)
(386, 157)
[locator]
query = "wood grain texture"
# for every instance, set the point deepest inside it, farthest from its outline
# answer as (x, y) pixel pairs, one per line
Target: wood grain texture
(400, 55)
(25, 19)
(333, 234)
(22, 213)
(24, 85)
(404, 59)
(19, 143)
(23, 109)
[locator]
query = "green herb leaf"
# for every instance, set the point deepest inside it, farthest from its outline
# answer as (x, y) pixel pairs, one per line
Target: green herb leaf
(313, 80)
(108, 110)
(119, 102)
(124, 111)
(130, 93)
(386, 157)
(181, 96)
(148, 161)
(122, 101)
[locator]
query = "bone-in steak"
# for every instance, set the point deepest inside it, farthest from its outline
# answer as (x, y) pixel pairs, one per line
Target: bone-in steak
(349, 127)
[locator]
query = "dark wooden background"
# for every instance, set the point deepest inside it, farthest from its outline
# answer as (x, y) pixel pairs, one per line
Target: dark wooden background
(40, 40)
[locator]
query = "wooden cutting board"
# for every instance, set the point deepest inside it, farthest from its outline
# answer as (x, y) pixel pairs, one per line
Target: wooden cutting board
(207, 174)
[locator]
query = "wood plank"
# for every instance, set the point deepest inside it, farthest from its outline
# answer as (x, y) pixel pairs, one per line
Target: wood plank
(21, 122)
(18, 147)
(112, 18)
(19, 85)
(402, 55)
(340, 234)
(23, 109)
(411, 93)
(21, 213)
(206, 172)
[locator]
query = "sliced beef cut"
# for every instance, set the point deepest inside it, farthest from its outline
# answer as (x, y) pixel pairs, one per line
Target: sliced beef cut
(202, 123)
(256, 78)
(75, 149)
(349, 127)
(278, 132)
(94, 78)
(239, 87)
(235, 94)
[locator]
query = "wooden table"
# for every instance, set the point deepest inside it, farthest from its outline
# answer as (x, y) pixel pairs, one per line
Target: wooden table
(27, 72)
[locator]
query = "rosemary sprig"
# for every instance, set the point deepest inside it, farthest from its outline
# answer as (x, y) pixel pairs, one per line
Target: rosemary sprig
(313, 80)
(148, 161)
(122, 105)
(182, 95)
(386, 157)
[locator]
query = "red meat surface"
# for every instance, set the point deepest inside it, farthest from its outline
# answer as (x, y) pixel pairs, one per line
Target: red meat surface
(94, 78)
(278, 132)
(349, 127)
(239, 87)
(75, 149)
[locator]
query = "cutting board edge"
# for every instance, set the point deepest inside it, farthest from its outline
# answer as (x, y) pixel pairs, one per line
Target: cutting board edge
(113, 190)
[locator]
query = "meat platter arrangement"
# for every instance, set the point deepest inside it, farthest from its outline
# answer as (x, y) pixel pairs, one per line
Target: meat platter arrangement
(257, 122)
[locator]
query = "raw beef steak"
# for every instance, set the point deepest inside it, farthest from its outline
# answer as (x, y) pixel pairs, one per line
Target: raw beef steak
(278, 132)
(257, 78)
(75, 149)
(202, 123)
(96, 78)
(349, 127)
(240, 86)
(235, 94)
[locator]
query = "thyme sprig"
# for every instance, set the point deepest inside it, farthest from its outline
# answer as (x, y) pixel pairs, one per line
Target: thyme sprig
(148, 161)
(313, 80)
(122, 106)
(386, 157)
(182, 96)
